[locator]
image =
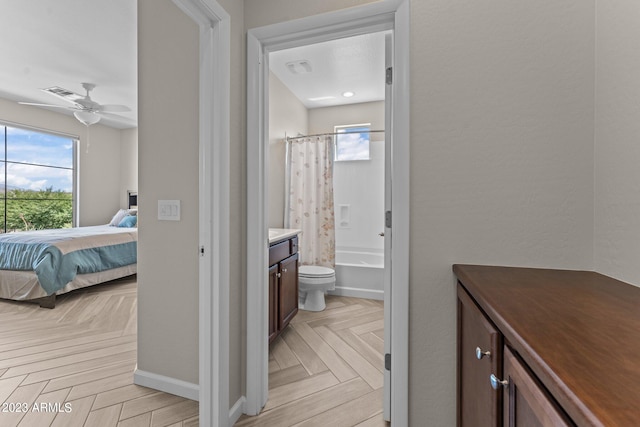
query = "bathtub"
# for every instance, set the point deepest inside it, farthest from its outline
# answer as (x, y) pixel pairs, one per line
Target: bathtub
(359, 273)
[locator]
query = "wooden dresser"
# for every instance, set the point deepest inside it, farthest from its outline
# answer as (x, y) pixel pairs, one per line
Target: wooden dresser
(540, 347)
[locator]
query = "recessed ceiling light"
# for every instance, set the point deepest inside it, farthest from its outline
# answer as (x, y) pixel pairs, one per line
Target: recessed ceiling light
(348, 94)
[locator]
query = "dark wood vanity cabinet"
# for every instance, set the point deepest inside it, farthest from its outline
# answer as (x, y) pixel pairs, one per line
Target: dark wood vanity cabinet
(283, 285)
(540, 347)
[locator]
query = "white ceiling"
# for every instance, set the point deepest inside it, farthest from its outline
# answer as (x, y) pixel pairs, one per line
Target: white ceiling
(351, 64)
(67, 42)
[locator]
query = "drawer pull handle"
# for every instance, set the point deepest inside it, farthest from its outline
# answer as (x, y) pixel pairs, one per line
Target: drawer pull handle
(496, 383)
(278, 275)
(284, 270)
(480, 354)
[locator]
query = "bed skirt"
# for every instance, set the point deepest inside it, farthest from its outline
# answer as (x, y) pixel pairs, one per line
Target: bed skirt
(24, 285)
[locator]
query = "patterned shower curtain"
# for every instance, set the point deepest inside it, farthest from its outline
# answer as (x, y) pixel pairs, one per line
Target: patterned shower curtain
(309, 204)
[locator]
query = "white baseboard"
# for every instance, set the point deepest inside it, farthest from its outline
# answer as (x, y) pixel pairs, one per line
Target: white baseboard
(236, 411)
(345, 291)
(166, 384)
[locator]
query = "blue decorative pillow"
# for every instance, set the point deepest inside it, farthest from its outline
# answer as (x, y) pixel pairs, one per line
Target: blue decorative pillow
(118, 217)
(128, 221)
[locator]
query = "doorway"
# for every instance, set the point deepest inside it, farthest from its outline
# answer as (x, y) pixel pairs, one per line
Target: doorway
(327, 107)
(334, 92)
(383, 16)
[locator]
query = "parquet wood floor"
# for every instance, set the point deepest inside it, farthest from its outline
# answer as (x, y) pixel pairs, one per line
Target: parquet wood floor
(326, 368)
(82, 354)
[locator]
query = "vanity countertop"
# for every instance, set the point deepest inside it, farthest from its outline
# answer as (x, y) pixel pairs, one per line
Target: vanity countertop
(278, 234)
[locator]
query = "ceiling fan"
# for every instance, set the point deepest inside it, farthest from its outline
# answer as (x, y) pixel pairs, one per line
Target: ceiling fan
(86, 110)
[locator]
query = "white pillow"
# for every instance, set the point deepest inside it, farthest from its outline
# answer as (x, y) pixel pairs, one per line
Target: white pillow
(118, 217)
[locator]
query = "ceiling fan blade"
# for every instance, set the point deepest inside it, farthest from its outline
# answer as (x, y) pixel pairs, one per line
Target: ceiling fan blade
(47, 105)
(109, 115)
(114, 108)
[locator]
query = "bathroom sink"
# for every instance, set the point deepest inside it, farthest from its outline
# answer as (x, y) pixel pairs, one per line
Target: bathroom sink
(277, 234)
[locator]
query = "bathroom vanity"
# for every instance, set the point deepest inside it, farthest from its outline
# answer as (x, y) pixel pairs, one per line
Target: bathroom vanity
(283, 279)
(546, 347)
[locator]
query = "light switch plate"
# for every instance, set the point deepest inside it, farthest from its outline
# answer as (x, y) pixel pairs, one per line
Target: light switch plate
(169, 210)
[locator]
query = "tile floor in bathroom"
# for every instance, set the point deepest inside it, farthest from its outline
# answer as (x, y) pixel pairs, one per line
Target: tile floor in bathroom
(326, 368)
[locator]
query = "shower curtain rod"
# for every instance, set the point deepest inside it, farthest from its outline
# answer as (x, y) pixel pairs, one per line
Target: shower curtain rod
(330, 133)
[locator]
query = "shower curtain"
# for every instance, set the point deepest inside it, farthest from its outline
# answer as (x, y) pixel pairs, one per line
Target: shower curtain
(309, 198)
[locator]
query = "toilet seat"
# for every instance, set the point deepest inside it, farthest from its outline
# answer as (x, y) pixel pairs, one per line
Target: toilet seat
(313, 271)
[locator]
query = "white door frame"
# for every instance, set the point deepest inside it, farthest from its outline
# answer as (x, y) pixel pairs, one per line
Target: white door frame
(213, 193)
(377, 16)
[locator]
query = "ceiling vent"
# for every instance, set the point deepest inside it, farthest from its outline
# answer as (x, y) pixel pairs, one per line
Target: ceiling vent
(299, 67)
(63, 93)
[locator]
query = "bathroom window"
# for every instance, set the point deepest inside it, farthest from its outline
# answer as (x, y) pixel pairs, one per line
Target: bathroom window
(352, 142)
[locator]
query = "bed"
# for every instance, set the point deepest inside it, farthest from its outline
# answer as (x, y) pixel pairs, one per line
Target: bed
(38, 265)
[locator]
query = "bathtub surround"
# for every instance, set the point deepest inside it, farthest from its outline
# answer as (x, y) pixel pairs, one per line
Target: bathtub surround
(359, 258)
(288, 116)
(359, 273)
(359, 185)
(310, 198)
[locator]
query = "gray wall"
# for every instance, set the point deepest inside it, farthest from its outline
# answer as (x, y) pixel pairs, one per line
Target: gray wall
(502, 109)
(501, 155)
(617, 175)
(503, 164)
(168, 64)
(237, 203)
(168, 169)
(128, 163)
(287, 117)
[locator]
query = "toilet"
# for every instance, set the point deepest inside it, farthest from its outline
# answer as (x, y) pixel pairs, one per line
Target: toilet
(313, 282)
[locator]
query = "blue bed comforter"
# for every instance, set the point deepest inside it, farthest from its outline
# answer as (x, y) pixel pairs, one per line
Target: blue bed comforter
(56, 256)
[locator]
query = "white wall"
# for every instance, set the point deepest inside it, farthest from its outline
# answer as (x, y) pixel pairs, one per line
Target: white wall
(287, 117)
(100, 165)
(359, 184)
(617, 143)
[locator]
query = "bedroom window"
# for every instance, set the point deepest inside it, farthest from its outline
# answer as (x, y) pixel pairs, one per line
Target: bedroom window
(352, 142)
(37, 180)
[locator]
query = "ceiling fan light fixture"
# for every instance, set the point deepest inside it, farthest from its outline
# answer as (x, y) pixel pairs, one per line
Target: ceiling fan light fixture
(87, 118)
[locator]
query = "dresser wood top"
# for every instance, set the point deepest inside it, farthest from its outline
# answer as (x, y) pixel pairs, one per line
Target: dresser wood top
(579, 332)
